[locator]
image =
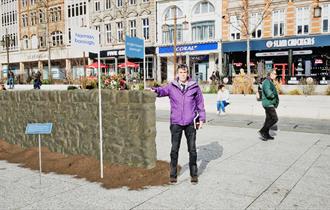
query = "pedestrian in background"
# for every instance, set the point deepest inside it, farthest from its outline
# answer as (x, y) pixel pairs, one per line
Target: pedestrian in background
(187, 102)
(270, 101)
(37, 80)
(222, 99)
(11, 79)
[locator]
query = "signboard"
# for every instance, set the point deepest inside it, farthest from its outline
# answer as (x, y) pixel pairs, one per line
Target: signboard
(39, 128)
(190, 48)
(85, 39)
(294, 42)
(134, 47)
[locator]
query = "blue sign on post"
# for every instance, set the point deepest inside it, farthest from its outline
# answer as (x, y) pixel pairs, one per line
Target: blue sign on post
(134, 47)
(39, 128)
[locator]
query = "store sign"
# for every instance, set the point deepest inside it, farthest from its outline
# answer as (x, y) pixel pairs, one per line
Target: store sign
(290, 42)
(284, 53)
(190, 48)
(318, 61)
(114, 53)
(134, 47)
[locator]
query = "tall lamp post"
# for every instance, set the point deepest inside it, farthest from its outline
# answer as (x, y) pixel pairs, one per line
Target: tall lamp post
(6, 42)
(166, 28)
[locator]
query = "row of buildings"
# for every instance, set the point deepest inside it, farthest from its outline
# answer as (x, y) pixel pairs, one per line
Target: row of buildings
(211, 35)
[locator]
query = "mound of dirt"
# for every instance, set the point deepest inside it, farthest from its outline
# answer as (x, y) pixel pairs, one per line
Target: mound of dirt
(115, 176)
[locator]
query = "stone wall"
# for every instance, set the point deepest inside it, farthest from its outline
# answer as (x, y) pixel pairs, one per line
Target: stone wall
(129, 128)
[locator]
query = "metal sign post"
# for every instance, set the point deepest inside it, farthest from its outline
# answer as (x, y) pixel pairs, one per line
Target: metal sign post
(39, 128)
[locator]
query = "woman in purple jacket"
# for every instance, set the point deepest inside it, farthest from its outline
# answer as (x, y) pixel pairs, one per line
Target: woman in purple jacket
(186, 103)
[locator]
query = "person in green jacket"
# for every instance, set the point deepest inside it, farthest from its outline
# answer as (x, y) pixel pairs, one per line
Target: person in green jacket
(270, 102)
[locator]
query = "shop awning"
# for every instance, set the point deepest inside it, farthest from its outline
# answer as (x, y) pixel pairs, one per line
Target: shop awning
(95, 65)
(128, 64)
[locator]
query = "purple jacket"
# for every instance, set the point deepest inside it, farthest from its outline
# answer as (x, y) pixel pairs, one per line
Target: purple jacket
(184, 105)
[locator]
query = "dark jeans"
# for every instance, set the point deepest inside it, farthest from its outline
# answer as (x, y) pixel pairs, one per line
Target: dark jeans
(190, 133)
(271, 119)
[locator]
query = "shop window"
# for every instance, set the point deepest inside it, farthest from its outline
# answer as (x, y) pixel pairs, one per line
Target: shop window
(149, 68)
(203, 31)
(235, 28)
(325, 18)
(204, 7)
(168, 36)
(255, 25)
(302, 20)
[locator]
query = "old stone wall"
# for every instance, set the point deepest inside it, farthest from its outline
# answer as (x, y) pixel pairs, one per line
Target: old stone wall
(129, 129)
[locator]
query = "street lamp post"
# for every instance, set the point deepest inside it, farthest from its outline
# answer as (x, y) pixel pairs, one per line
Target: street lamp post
(6, 42)
(165, 28)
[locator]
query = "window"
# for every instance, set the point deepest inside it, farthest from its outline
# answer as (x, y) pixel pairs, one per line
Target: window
(69, 35)
(57, 38)
(84, 8)
(34, 41)
(170, 12)
(302, 20)
(132, 2)
(97, 6)
(107, 4)
(81, 10)
(204, 7)
(168, 36)
(119, 3)
(325, 18)
(42, 42)
(32, 2)
(33, 17)
(234, 28)
(255, 25)
(25, 20)
(98, 28)
(145, 1)
(24, 3)
(69, 11)
(72, 10)
(132, 28)
(25, 42)
(41, 16)
(203, 31)
(120, 34)
(108, 33)
(278, 23)
(149, 67)
(145, 28)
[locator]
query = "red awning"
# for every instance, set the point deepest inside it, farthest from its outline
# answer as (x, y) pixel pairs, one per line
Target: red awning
(128, 64)
(95, 65)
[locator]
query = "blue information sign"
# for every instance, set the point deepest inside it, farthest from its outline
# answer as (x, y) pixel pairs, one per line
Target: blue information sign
(39, 128)
(134, 47)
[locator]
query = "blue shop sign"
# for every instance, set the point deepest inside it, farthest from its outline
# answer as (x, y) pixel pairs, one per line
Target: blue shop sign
(190, 48)
(275, 44)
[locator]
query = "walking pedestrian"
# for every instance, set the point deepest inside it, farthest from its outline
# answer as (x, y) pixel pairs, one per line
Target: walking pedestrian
(222, 99)
(270, 101)
(187, 102)
(11, 77)
(37, 80)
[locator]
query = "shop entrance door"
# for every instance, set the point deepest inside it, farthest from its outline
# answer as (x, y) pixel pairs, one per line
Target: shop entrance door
(201, 71)
(282, 67)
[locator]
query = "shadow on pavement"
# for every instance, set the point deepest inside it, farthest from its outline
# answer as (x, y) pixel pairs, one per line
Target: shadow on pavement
(205, 154)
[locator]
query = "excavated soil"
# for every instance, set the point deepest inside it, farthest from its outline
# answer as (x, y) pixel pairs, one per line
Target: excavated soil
(115, 176)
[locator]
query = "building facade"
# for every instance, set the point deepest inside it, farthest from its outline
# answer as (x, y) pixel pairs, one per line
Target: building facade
(9, 34)
(197, 26)
(114, 19)
(290, 36)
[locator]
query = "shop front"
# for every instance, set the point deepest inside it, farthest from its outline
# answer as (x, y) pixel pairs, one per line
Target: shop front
(200, 58)
(294, 57)
(114, 58)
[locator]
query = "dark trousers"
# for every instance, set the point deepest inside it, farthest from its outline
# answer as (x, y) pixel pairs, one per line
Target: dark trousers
(190, 133)
(271, 119)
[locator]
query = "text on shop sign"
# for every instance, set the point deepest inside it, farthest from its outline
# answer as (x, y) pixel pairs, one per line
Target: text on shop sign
(290, 42)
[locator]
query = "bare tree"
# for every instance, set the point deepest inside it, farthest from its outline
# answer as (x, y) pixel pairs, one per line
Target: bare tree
(243, 15)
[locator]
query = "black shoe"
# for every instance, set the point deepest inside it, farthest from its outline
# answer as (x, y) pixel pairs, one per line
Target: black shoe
(173, 180)
(263, 136)
(269, 137)
(194, 179)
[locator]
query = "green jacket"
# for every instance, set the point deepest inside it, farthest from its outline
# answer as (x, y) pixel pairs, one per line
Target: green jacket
(269, 94)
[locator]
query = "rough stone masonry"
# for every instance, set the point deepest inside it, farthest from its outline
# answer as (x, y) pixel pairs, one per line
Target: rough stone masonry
(129, 128)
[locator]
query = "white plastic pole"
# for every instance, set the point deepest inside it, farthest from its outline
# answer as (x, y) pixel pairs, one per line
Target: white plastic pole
(39, 158)
(100, 114)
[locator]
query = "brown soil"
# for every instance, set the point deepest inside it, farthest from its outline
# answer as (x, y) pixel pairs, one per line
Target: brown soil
(115, 176)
